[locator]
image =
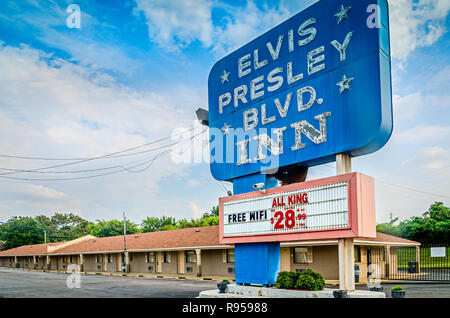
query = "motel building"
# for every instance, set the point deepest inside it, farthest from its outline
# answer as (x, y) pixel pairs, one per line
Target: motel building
(197, 253)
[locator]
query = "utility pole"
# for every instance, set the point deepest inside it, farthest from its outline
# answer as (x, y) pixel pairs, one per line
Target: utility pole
(125, 256)
(124, 233)
(46, 250)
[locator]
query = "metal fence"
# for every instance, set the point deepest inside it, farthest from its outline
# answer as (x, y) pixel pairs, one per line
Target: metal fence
(424, 263)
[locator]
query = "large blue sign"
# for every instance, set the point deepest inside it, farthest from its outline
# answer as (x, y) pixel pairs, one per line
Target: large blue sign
(316, 85)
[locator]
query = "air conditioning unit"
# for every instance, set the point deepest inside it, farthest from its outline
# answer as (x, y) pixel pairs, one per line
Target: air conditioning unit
(150, 268)
(300, 270)
(230, 270)
(99, 266)
(189, 269)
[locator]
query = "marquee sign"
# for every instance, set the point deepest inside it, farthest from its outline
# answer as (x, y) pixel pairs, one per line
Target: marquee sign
(336, 207)
(316, 85)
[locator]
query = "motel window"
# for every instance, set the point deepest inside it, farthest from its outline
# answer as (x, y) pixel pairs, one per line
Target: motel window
(302, 255)
(151, 257)
(357, 254)
(99, 258)
(230, 256)
(190, 257)
(167, 257)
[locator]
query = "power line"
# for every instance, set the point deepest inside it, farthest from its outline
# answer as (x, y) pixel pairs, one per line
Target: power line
(226, 190)
(94, 158)
(111, 155)
(86, 177)
(404, 187)
(76, 171)
(411, 189)
(82, 171)
(148, 164)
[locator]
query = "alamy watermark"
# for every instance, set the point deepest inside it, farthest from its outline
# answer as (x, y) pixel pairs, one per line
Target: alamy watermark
(373, 19)
(74, 279)
(74, 19)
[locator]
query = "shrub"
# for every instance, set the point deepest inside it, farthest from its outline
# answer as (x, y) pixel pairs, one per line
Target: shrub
(397, 288)
(308, 280)
(286, 280)
(320, 282)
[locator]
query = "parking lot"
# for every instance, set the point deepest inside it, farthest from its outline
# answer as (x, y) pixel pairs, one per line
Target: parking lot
(417, 289)
(31, 284)
(22, 283)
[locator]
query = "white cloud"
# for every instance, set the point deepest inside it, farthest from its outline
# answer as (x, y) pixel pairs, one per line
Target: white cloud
(193, 183)
(177, 23)
(65, 112)
(39, 191)
(407, 106)
(196, 211)
(246, 23)
(59, 103)
(429, 158)
(421, 134)
(416, 24)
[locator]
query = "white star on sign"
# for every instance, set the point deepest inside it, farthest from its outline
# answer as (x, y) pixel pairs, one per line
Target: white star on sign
(224, 76)
(226, 129)
(345, 83)
(342, 13)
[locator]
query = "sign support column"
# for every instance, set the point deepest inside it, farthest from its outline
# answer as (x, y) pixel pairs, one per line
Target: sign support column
(256, 263)
(345, 246)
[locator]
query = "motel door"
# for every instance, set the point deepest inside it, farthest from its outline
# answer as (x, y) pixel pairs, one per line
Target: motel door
(180, 262)
(285, 259)
(369, 260)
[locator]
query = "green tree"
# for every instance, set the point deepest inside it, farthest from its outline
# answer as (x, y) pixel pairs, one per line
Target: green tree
(19, 231)
(432, 227)
(389, 228)
(209, 221)
(64, 226)
(152, 224)
(111, 228)
(215, 211)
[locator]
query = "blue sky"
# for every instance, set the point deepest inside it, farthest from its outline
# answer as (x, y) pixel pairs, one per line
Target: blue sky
(136, 70)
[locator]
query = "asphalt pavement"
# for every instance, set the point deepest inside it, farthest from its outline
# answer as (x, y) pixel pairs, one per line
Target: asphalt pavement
(417, 289)
(31, 284)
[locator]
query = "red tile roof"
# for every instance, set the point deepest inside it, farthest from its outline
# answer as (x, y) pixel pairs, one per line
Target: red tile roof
(36, 249)
(182, 238)
(383, 237)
